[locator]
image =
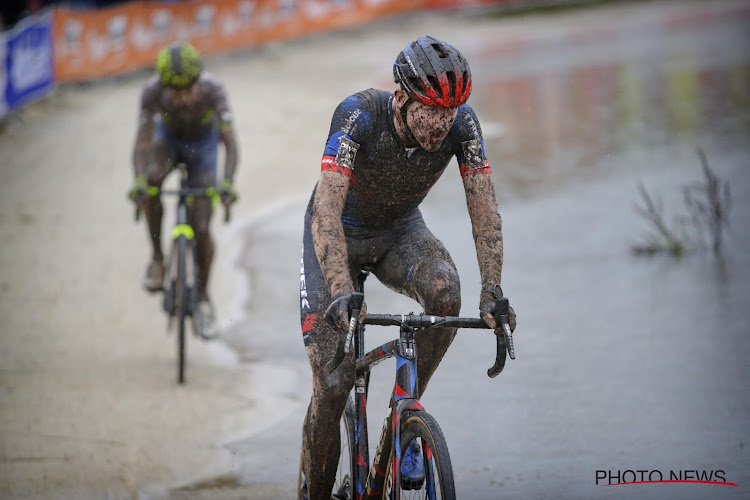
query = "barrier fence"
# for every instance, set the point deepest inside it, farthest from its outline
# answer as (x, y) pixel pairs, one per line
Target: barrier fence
(27, 72)
(67, 45)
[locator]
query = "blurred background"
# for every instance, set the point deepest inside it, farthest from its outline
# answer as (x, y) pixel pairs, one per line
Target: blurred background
(617, 133)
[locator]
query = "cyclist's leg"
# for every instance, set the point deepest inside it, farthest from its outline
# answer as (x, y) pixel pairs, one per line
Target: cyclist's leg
(320, 434)
(161, 160)
(419, 266)
(201, 158)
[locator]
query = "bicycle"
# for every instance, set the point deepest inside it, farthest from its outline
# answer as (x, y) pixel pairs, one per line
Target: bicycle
(180, 299)
(406, 420)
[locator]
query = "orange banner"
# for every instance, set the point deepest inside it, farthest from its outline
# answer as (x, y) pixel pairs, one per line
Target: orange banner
(440, 4)
(92, 44)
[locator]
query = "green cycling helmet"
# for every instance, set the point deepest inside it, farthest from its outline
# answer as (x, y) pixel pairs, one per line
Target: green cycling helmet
(179, 65)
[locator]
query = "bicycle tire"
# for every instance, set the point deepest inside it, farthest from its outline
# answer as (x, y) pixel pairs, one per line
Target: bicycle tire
(438, 482)
(343, 487)
(183, 301)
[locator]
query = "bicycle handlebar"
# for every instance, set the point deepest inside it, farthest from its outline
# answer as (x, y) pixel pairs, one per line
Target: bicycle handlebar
(424, 321)
(197, 192)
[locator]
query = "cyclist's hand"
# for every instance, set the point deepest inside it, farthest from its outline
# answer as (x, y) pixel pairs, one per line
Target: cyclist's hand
(487, 308)
(138, 192)
(227, 193)
(340, 310)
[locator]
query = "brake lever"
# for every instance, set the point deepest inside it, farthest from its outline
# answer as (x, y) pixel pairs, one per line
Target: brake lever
(504, 340)
(345, 337)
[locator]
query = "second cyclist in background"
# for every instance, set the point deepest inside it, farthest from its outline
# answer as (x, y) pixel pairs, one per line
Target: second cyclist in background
(184, 113)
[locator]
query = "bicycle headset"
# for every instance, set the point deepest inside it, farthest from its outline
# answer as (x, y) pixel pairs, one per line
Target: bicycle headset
(179, 65)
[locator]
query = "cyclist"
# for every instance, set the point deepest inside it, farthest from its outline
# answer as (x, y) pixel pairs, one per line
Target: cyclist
(184, 113)
(383, 154)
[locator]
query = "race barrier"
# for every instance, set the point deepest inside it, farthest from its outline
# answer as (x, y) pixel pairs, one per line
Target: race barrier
(98, 43)
(26, 72)
(67, 45)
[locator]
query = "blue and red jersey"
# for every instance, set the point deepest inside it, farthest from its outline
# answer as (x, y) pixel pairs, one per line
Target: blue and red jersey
(387, 180)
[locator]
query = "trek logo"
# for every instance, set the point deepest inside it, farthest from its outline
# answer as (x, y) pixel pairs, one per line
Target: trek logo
(302, 285)
(640, 476)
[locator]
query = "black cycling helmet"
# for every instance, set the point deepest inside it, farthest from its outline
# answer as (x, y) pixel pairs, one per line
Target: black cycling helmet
(433, 72)
(179, 65)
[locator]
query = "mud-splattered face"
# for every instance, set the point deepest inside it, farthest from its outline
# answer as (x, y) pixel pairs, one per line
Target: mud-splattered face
(430, 125)
(183, 97)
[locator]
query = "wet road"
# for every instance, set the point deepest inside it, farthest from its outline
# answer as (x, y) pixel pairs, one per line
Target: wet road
(624, 363)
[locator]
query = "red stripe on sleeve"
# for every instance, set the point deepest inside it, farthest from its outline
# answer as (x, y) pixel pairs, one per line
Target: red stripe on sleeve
(473, 171)
(328, 163)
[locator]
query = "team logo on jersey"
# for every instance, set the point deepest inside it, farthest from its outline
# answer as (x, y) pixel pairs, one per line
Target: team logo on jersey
(350, 120)
(346, 153)
(473, 157)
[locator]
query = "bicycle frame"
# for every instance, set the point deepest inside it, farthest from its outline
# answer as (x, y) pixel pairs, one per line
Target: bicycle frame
(369, 480)
(404, 398)
(183, 237)
(182, 267)
(178, 291)
(405, 412)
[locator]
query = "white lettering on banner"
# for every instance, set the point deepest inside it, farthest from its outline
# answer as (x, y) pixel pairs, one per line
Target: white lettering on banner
(160, 22)
(204, 18)
(31, 64)
(246, 10)
(142, 36)
(72, 35)
(116, 30)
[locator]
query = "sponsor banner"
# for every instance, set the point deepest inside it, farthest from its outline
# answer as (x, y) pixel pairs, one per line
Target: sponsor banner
(97, 43)
(27, 72)
(454, 4)
(443, 4)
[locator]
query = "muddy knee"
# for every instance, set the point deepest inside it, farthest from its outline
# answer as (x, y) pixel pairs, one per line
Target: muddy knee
(442, 291)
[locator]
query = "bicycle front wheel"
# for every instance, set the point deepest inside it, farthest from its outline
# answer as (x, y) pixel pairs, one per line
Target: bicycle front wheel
(421, 428)
(343, 487)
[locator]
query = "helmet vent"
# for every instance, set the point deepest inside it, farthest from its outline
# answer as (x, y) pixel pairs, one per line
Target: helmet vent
(433, 82)
(439, 50)
(451, 81)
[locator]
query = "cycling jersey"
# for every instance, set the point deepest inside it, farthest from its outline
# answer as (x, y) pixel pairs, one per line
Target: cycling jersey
(188, 134)
(387, 180)
(207, 113)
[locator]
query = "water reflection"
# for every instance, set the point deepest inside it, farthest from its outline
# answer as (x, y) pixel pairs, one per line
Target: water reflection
(566, 100)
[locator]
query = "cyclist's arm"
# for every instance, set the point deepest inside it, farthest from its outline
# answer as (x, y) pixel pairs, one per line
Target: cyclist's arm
(487, 227)
(328, 232)
(142, 148)
(336, 167)
(226, 132)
